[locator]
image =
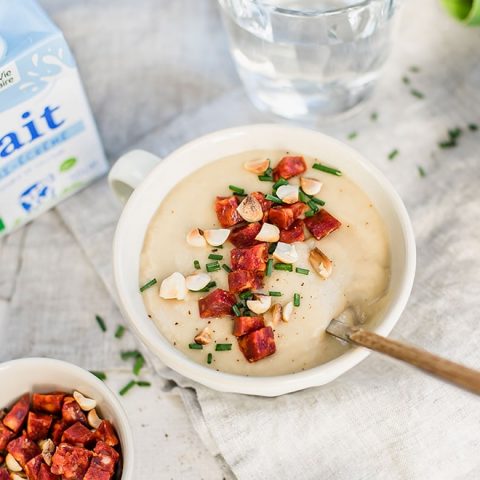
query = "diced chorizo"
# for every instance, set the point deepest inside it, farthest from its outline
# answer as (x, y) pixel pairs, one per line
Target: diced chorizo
(4, 475)
(226, 209)
(59, 426)
(46, 474)
(266, 204)
(244, 235)
(322, 224)
(23, 449)
(241, 280)
(216, 304)
(18, 413)
(70, 462)
(106, 433)
(283, 216)
(244, 325)
(5, 436)
(104, 457)
(293, 234)
(78, 435)
(38, 425)
(289, 167)
(71, 411)
(94, 472)
(257, 344)
(32, 468)
(48, 402)
(252, 258)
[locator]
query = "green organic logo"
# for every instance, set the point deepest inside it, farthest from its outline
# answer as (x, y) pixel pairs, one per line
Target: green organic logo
(2, 225)
(68, 164)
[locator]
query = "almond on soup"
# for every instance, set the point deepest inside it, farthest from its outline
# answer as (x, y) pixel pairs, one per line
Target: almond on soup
(248, 259)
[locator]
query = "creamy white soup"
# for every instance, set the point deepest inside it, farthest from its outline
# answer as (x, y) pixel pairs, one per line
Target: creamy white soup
(310, 294)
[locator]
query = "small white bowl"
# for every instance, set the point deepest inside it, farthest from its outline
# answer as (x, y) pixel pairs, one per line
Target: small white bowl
(128, 173)
(42, 375)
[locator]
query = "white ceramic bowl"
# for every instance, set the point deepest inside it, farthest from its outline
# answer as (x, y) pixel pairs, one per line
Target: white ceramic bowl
(142, 204)
(42, 375)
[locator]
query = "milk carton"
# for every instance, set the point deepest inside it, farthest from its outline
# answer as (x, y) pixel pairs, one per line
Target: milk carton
(49, 145)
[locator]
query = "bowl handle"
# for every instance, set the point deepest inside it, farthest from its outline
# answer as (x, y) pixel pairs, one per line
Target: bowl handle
(129, 171)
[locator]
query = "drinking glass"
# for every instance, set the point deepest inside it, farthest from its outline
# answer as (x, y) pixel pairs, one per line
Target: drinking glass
(306, 59)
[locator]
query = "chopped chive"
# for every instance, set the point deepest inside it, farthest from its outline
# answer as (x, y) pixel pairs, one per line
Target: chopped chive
(207, 287)
(326, 169)
(309, 213)
(127, 387)
(417, 93)
(414, 69)
(101, 323)
(421, 171)
(226, 268)
(143, 383)
(296, 299)
(273, 198)
(120, 331)
(269, 267)
(223, 347)
(406, 80)
(313, 206)
(213, 267)
(318, 201)
(265, 178)
(209, 358)
(448, 144)
(473, 127)
(374, 116)
(303, 271)
(281, 181)
(393, 154)
(149, 284)
(303, 197)
(272, 293)
(246, 295)
(352, 135)
(195, 346)
(100, 375)
(138, 365)
(235, 189)
(211, 284)
(129, 354)
(283, 266)
(236, 311)
(268, 171)
(454, 133)
(214, 256)
(196, 264)
(272, 247)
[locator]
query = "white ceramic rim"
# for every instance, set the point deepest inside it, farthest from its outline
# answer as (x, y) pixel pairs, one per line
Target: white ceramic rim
(270, 385)
(121, 421)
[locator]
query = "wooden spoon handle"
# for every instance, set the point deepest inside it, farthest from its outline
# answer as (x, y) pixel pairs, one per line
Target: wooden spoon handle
(455, 373)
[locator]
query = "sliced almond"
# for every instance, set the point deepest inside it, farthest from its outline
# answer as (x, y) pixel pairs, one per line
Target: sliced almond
(204, 337)
(195, 238)
(257, 165)
(276, 313)
(86, 404)
(250, 209)
(197, 281)
(260, 304)
(15, 476)
(287, 311)
(320, 263)
(268, 233)
(12, 464)
(288, 193)
(310, 186)
(93, 419)
(216, 236)
(285, 253)
(48, 447)
(173, 287)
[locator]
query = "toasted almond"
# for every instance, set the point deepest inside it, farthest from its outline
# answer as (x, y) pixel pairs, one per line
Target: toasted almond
(310, 186)
(260, 303)
(86, 404)
(195, 238)
(12, 464)
(287, 311)
(48, 447)
(216, 236)
(320, 263)
(268, 233)
(288, 193)
(197, 281)
(204, 337)
(173, 287)
(15, 476)
(257, 165)
(285, 253)
(276, 313)
(93, 419)
(250, 209)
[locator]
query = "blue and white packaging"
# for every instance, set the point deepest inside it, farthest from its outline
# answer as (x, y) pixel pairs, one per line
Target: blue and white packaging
(49, 144)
